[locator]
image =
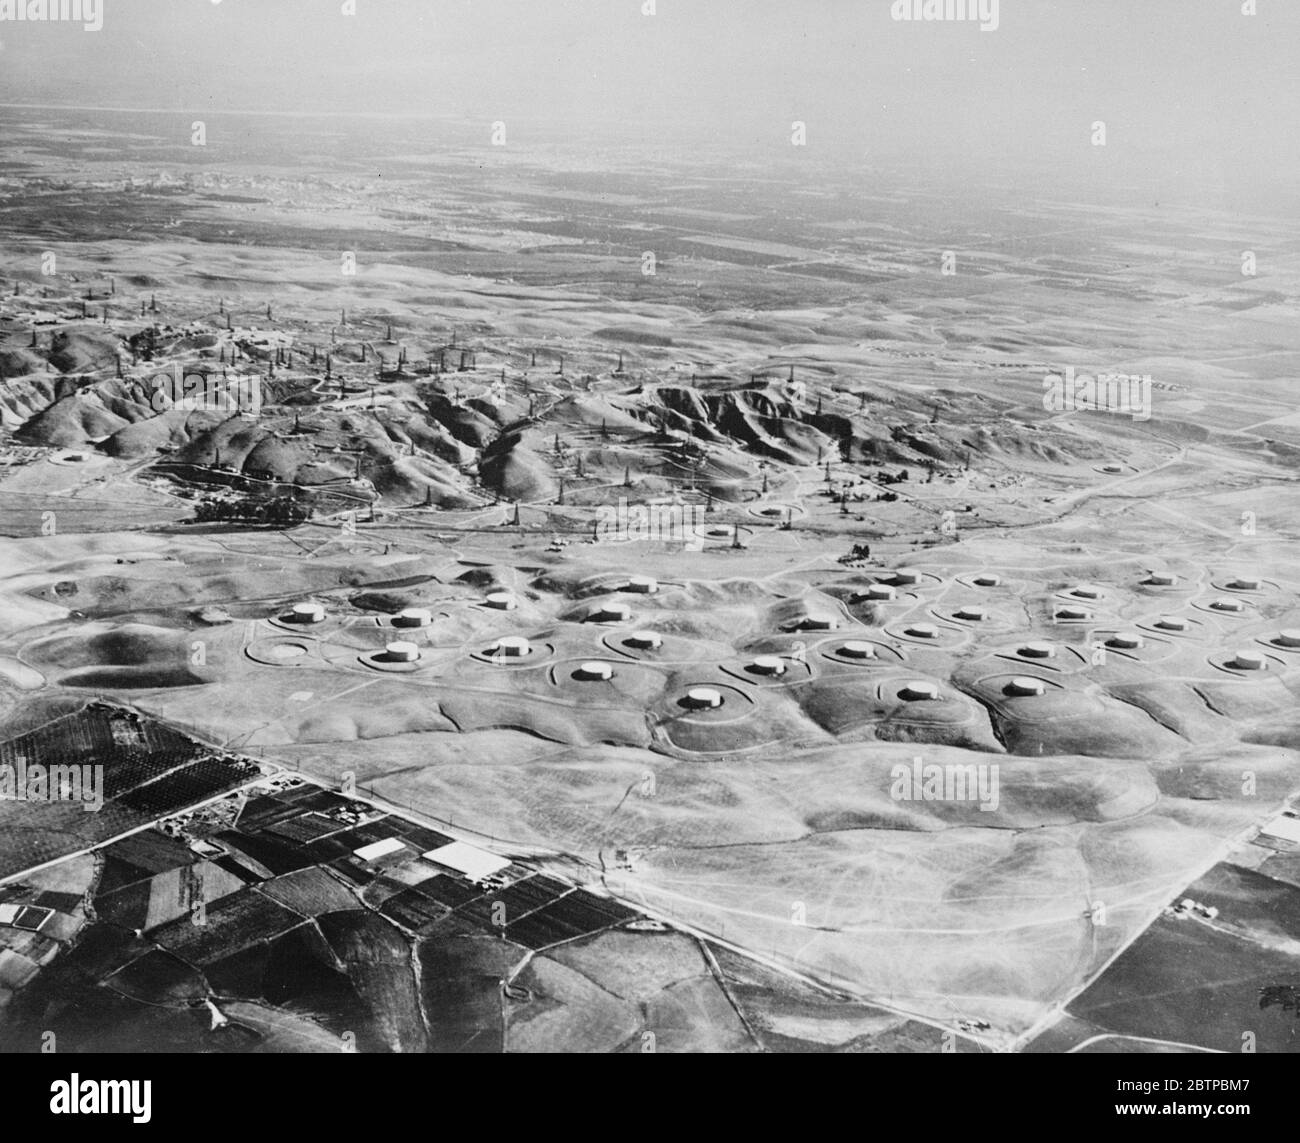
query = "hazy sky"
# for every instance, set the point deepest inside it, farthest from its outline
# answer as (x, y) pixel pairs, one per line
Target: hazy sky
(1188, 85)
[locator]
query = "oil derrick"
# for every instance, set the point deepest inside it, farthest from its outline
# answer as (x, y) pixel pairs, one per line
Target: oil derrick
(390, 332)
(532, 361)
(828, 472)
(463, 367)
(442, 361)
(112, 287)
(34, 341)
(560, 372)
(765, 482)
(515, 521)
(83, 309)
(153, 303)
(560, 498)
(619, 371)
(329, 367)
(819, 406)
(708, 503)
(363, 351)
(735, 538)
(604, 429)
(343, 317)
(789, 520)
(530, 406)
(791, 375)
(428, 496)
(269, 315)
(580, 472)
(143, 307)
(313, 355)
(844, 503)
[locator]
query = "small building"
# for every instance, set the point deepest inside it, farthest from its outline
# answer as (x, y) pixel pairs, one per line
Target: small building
(469, 861)
(1282, 830)
(378, 849)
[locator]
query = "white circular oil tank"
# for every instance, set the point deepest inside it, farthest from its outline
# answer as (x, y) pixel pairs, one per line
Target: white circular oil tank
(1288, 638)
(1038, 651)
(703, 698)
(1073, 613)
(880, 591)
(595, 670)
(1125, 640)
(1247, 583)
(1228, 605)
(769, 665)
(1249, 661)
(402, 653)
(512, 647)
(857, 649)
(923, 631)
(906, 576)
(1172, 623)
(308, 613)
(919, 691)
(1025, 686)
(645, 640)
(1161, 579)
(501, 601)
(819, 623)
(610, 613)
(413, 617)
(642, 585)
(1086, 591)
(1112, 469)
(986, 580)
(972, 614)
